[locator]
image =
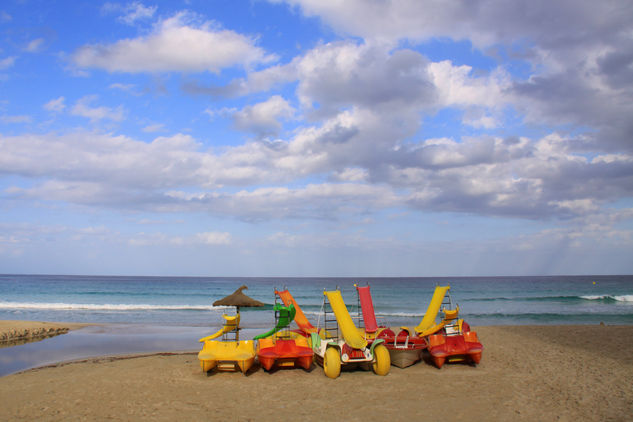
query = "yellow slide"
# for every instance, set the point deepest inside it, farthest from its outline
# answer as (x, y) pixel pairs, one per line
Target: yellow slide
(351, 335)
(230, 323)
(428, 326)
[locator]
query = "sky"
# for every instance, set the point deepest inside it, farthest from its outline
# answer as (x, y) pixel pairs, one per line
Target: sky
(316, 137)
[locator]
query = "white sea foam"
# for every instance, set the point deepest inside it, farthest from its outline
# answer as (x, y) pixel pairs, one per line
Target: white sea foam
(618, 298)
(104, 307)
(399, 314)
(591, 297)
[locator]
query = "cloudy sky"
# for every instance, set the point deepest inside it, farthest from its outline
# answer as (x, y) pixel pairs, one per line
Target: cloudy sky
(316, 137)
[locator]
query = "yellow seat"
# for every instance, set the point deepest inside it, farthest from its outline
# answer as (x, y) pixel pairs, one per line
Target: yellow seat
(219, 353)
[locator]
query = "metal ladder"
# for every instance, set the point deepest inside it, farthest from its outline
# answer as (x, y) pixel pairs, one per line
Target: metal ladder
(330, 324)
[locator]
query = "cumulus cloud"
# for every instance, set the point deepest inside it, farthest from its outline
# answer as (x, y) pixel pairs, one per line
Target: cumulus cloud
(484, 23)
(83, 108)
(401, 84)
(56, 105)
(581, 78)
(264, 118)
(487, 176)
(177, 44)
(136, 11)
(157, 127)
(34, 45)
(7, 62)
(22, 118)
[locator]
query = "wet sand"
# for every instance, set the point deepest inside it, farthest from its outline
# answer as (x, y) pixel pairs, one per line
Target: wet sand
(530, 373)
(19, 332)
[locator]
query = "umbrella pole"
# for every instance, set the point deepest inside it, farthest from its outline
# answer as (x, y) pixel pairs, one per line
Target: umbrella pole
(237, 329)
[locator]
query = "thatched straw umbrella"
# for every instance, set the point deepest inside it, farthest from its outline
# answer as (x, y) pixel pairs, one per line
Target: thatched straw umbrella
(238, 299)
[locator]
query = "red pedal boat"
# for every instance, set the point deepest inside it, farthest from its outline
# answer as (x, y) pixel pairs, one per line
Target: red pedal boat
(404, 349)
(455, 342)
(284, 353)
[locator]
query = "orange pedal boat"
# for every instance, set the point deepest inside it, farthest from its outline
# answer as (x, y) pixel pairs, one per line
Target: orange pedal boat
(284, 352)
(454, 342)
(283, 348)
(450, 340)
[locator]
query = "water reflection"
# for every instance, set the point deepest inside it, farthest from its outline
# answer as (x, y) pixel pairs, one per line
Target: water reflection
(103, 340)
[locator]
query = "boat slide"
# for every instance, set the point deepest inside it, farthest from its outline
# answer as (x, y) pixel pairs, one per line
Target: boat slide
(350, 333)
(227, 355)
(230, 323)
(300, 318)
(286, 315)
(283, 351)
(367, 307)
(428, 326)
(349, 346)
(404, 349)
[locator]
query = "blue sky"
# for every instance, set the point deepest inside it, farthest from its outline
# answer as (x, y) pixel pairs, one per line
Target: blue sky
(316, 138)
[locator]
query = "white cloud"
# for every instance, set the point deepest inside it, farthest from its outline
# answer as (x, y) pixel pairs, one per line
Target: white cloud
(136, 11)
(35, 45)
(484, 23)
(130, 12)
(160, 239)
(575, 78)
(56, 105)
(515, 177)
(83, 108)
(214, 238)
(176, 44)
(456, 86)
(129, 88)
(157, 127)
(263, 118)
(16, 119)
(351, 175)
(7, 62)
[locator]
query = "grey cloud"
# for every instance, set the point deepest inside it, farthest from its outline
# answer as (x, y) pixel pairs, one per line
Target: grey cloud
(566, 98)
(580, 53)
(617, 67)
(344, 74)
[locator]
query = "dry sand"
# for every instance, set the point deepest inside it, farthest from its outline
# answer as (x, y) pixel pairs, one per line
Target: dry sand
(527, 373)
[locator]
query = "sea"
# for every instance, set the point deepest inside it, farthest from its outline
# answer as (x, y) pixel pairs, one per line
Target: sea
(148, 314)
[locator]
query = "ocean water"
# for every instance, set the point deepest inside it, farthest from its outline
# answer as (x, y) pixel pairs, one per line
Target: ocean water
(152, 314)
(187, 301)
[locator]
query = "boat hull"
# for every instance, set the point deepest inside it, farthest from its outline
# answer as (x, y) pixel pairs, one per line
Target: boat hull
(227, 355)
(284, 353)
(404, 350)
(455, 348)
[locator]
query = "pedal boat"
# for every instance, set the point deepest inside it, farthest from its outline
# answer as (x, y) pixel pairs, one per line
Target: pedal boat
(281, 348)
(223, 350)
(455, 342)
(343, 343)
(404, 350)
(226, 355)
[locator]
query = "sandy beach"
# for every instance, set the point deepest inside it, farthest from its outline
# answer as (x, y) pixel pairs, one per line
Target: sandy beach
(527, 373)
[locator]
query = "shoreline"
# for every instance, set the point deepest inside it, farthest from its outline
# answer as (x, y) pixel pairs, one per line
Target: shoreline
(565, 372)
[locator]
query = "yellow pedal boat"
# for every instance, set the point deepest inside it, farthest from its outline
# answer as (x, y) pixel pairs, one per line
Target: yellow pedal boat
(227, 355)
(223, 350)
